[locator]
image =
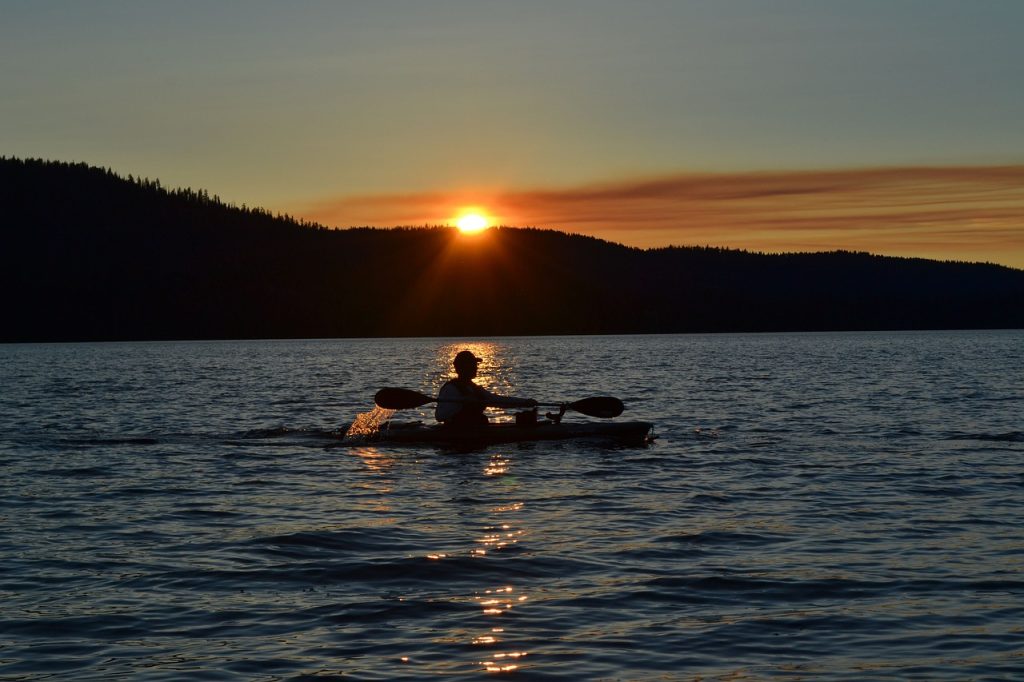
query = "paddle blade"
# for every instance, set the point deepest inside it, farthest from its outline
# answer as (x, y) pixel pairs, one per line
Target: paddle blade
(604, 407)
(400, 399)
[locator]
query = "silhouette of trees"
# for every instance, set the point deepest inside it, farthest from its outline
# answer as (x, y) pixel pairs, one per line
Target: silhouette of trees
(86, 254)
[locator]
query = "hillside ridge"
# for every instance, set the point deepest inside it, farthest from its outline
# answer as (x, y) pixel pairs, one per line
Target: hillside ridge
(86, 254)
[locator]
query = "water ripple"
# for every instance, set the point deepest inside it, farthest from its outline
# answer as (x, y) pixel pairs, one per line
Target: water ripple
(833, 506)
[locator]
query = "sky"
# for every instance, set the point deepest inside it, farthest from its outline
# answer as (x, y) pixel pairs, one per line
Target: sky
(889, 126)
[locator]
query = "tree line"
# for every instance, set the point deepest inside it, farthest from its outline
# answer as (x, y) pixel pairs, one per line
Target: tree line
(86, 254)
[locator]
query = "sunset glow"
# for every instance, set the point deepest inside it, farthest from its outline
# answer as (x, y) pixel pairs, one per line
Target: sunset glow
(472, 223)
(944, 212)
(682, 123)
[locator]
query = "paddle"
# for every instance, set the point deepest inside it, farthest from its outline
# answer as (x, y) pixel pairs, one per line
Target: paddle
(403, 399)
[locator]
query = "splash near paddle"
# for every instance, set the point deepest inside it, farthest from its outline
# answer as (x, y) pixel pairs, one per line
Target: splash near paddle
(366, 425)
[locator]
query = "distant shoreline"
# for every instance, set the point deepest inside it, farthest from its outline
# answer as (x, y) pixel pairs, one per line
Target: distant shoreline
(89, 256)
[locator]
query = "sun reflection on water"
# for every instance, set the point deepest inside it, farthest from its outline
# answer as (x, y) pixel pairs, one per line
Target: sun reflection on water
(495, 651)
(496, 372)
(499, 538)
(374, 459)
(495, 603)
(497, 465)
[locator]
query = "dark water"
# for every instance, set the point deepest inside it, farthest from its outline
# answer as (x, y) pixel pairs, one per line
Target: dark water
(845, 506)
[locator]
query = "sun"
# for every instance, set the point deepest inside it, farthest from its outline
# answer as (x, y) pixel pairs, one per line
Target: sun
(472, 223)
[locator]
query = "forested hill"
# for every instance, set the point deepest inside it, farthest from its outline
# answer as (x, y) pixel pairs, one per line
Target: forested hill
(88, 255)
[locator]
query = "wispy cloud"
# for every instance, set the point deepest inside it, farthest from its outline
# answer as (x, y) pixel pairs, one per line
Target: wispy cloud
(955, 212)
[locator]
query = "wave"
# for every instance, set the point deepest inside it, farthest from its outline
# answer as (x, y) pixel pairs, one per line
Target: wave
(724, 539)
(124, 440)
(736, 588)
(1006, 437)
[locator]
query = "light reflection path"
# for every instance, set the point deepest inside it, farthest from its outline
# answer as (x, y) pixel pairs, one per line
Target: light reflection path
(497, 371)
(495, 602)
(489, 634)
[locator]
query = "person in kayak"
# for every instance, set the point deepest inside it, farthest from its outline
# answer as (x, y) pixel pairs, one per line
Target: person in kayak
(461, 403)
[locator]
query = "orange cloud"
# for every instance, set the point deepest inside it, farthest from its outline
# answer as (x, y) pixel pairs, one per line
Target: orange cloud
(957, 213)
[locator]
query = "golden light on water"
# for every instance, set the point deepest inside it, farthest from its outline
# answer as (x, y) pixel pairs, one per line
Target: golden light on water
(497, 465)
(495, 650)
(496, 602)
(503, 662)
(494, 372)
(499, 533)
(495, 539)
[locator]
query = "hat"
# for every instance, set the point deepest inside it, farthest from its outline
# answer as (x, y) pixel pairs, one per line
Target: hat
(464, 358)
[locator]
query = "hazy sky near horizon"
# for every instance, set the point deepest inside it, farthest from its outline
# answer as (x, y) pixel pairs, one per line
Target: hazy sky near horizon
(892, 126)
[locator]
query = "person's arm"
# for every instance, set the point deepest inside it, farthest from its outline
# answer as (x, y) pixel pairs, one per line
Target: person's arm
(495, 400)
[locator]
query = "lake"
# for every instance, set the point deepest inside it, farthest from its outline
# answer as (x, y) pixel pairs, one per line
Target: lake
(815, 506)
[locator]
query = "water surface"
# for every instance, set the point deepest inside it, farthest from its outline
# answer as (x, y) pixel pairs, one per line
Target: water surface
(816, 506)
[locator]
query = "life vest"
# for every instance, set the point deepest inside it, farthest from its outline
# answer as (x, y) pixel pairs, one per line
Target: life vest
(471, 413)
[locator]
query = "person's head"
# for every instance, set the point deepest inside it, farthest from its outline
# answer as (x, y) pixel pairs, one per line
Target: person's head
(466, 364)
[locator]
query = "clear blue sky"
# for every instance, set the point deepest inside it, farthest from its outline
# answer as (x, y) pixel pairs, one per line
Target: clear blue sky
(289, 104)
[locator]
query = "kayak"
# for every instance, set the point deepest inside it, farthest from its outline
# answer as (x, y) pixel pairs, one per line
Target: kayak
(491, 434)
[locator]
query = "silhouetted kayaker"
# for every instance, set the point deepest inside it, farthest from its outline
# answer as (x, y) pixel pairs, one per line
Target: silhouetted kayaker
(460, 402)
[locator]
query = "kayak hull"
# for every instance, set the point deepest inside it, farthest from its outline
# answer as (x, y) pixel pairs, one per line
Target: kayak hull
(491, 434)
